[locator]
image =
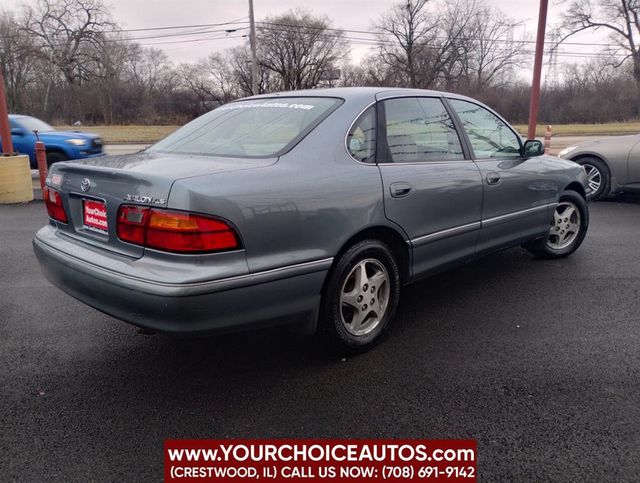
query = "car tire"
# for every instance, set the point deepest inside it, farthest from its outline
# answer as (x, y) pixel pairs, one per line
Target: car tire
(599, 177)
(568, 228)
(55, 156)
(360, 297)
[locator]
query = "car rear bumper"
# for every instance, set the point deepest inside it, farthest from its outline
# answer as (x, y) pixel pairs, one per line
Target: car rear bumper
(281, 296)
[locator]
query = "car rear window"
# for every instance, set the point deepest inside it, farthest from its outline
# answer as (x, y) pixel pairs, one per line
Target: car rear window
(250, 128)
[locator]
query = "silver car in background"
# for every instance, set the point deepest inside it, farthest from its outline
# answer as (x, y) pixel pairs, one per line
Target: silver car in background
(311, 208)
(612, 164)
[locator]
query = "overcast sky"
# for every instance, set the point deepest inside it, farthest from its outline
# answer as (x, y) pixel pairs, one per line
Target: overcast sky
(348, 14)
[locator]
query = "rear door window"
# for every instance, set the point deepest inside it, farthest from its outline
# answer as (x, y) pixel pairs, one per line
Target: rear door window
(420, 130)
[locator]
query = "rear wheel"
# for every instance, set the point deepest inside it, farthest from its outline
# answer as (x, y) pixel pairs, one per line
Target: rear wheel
(55, 156)
(361, 296)
(567, 229)
(598, 177)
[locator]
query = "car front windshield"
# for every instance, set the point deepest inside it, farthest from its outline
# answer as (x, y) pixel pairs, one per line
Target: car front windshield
(31, 124)
(250, 128)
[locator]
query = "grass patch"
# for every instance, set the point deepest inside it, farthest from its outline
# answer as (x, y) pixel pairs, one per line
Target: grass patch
(608, 129)
(126, 134)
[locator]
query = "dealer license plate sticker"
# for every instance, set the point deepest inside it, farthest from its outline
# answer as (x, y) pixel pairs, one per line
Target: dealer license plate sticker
(95, 215)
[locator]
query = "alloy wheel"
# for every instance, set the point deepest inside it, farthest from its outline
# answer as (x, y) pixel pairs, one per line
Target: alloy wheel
(565, 226)
(594, 177)
(364, 297)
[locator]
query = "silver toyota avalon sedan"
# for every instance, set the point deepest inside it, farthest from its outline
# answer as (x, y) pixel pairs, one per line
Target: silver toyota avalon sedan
(310, 207)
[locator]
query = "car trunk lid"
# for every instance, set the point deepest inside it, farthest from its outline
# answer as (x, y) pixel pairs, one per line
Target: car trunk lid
(93, 190)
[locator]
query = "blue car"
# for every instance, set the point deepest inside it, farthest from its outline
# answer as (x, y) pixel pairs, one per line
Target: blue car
(61, 145)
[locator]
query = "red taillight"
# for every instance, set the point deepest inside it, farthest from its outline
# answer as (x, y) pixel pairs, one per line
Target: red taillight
(131, 224)
(53, 201)
(174, 231)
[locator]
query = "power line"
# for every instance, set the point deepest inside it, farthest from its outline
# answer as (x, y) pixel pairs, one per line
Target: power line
(378, 33)
(225, 37)
(378, 42)
(173, 27)
(154, 37)
(199, 28)
(356, 37)
(241, 20)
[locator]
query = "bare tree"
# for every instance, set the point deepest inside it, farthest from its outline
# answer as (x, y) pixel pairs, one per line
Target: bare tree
(371, 72)
(426, 40)
(406, 34)
(299, 48)
(222, 76)
(239, 59)
(148, 67)
(492, 54)
(18, 61)
(620, 18)
(211, 80)
(69, 31)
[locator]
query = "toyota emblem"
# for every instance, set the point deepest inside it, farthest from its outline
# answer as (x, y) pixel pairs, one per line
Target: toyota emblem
(85, 185)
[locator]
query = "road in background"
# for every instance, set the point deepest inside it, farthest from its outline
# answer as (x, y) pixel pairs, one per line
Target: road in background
(124, 148)
(560, 142)
(538, 360)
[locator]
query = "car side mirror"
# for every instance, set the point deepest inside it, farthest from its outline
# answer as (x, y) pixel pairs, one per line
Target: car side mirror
(532, 147)
(17, 131)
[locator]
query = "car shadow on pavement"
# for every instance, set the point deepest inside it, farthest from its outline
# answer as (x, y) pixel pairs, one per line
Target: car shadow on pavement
(449, 331)
(626, 198)
(434, 309)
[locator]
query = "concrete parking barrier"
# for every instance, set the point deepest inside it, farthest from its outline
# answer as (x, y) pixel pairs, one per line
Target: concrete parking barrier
(15, 180)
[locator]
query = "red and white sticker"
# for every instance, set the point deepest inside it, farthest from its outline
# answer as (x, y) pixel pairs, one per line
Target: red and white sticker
(95, 215)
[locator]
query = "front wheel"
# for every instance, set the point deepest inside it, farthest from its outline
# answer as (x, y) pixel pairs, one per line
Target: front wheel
(55, 157)
(361, 296)
(567, 229)
(598, 177)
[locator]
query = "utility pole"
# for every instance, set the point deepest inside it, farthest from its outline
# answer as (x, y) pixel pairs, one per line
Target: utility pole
(537, 70)
(254, 58)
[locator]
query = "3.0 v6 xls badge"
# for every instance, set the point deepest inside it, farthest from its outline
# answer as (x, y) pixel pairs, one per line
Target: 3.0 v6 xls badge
(145, 199)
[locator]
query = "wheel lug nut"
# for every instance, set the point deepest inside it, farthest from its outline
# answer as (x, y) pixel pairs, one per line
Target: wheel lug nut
(373, 289)
(566, 219)
(359, 298)
(365, 287)
(364, 307)
(373, 301)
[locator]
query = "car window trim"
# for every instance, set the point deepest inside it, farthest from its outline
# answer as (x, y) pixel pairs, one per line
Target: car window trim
(460, 125)
(373, 104)
(382, 145)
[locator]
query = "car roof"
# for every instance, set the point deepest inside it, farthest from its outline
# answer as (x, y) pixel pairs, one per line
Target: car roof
(359, 92)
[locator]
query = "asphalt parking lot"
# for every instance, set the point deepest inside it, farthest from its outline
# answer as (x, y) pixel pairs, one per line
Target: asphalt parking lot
(537, 360)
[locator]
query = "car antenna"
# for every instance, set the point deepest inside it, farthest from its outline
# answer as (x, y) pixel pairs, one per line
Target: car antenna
(35, 131)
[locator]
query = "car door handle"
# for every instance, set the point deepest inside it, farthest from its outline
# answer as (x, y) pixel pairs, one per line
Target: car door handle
(400, 189)
(493, 178)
